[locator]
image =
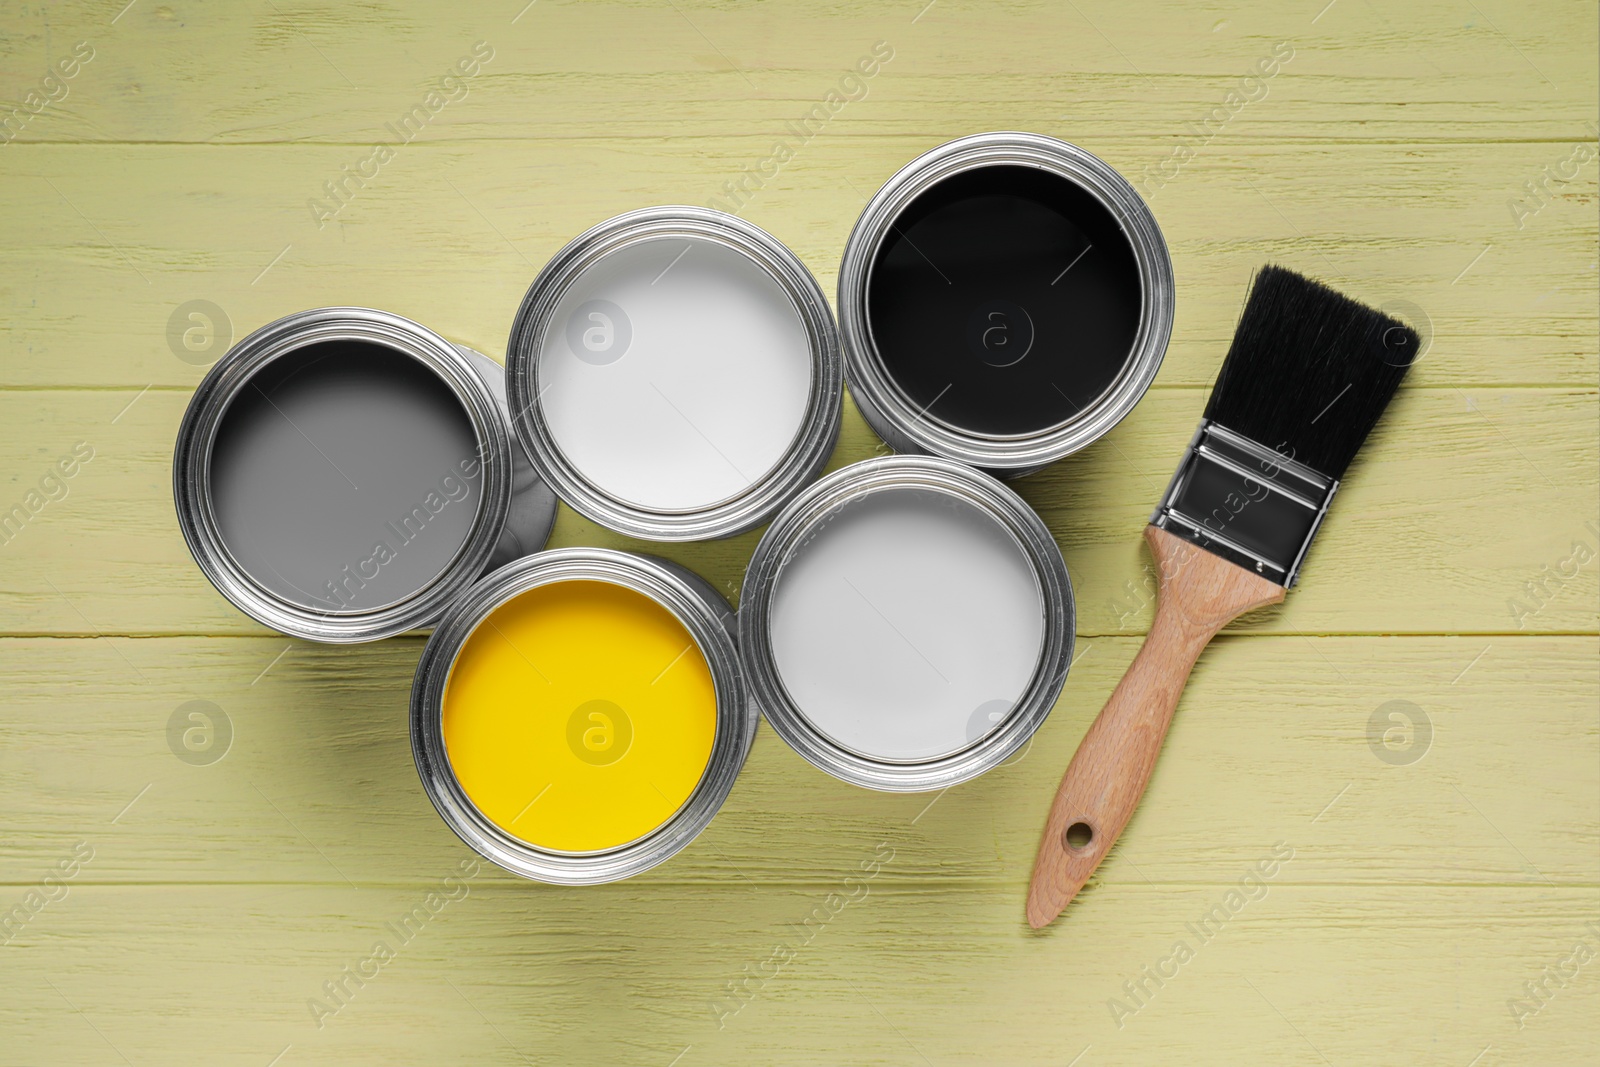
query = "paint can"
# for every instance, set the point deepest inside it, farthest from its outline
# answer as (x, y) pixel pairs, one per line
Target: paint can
(580, 715)
(1004, 300)
(533, 503)
(906, 623)
(342, 474)
(674, 374)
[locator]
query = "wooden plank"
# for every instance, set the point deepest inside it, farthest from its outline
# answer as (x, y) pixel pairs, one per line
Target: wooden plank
(1274, 736)
(1461, 499)
(190, 73)
(451, 235)
(910, 972)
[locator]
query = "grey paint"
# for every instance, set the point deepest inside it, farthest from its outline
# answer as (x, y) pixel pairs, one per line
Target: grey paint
(344, 478)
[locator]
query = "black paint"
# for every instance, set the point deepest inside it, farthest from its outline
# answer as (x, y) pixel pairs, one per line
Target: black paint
(971, 311)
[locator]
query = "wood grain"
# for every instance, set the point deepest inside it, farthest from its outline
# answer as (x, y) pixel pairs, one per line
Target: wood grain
(1197, 594)
(228, 971)
(1271, 730)
(108, 558)
(1386, 158)
(98, 270)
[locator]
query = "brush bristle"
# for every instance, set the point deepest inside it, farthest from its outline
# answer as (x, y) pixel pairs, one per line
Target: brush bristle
(1310, 370)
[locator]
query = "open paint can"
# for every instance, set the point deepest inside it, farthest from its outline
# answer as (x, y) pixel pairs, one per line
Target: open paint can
(674, 374)
(906, 623)
(580, 715)
(1004, 300)
(343, 474)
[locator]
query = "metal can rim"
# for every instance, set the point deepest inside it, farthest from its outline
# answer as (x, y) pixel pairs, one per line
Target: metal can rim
(901, 421)
(191, 467)
(709, 620)
(839, 489)
(819, 427)
(539, 498)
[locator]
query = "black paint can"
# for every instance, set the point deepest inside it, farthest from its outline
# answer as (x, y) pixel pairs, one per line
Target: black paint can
(1004, 300)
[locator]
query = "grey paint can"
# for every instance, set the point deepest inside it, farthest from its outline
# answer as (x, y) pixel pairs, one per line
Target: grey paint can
(343, 474)
(906, 623)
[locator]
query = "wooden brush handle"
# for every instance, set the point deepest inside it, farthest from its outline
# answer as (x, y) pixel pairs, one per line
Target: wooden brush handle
(1198, 594)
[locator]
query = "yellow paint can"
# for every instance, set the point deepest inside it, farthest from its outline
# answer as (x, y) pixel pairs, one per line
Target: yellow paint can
(580, 715)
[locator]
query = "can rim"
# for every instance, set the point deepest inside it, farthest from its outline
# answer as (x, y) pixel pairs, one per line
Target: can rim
(819, 426)
(710, 622)
(792, 527)
(904, 423)
(191, 471)
(533, 506)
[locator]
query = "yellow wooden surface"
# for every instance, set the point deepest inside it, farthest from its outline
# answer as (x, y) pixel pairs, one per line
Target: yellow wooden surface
(1389, 156)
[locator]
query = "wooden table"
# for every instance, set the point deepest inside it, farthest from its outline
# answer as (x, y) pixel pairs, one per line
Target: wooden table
(1444, 848)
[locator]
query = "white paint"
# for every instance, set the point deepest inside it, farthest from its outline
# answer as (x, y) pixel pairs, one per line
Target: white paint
(908, 625)
(709, 389)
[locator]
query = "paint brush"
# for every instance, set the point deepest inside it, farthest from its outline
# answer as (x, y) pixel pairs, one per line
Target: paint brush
(1308, 375)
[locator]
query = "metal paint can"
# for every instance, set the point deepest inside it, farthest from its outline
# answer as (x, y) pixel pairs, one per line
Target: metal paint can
(710, 626)
(1004, 300)
(906, 623)
(342, 474)
(533, 503)
(674, 374)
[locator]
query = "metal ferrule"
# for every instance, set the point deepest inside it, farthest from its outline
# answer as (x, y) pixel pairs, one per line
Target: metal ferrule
(709, 620)
(1251, 505)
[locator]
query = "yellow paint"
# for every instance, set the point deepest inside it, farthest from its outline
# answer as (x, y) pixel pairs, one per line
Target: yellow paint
(579, 715)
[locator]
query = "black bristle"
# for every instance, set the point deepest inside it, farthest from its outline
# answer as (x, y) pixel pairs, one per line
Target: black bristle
(1310, 370)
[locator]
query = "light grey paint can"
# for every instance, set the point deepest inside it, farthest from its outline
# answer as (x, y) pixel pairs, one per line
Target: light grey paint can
(906, 623)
